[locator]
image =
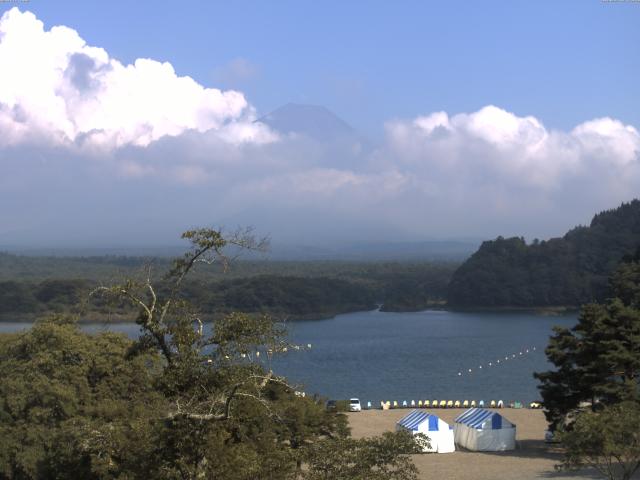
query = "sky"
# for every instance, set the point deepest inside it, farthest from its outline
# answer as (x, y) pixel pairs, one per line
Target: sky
(127, 122)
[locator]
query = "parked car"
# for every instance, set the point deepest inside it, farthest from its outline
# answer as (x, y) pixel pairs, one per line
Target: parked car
(332, 406)
(354, 405)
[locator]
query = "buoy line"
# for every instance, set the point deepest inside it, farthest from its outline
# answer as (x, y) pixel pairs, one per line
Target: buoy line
(498, 362)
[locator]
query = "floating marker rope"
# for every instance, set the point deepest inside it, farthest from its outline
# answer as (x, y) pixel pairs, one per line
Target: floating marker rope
(521, 353)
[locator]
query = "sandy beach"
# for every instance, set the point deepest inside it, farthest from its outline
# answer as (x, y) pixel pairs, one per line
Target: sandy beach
(533, 459)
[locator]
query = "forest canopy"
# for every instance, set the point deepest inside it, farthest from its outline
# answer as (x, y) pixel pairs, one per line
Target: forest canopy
(568, 271)
(180, 401)
(33, 286)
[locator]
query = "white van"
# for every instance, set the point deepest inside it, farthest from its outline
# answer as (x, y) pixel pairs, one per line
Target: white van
(354, 405)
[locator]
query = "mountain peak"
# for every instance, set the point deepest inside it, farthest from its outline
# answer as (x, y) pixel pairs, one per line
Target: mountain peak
(314, 121)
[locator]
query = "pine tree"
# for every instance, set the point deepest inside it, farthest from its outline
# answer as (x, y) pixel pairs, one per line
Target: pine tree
(598, 360)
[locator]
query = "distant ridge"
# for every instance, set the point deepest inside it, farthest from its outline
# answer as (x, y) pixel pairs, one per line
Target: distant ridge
(567, 271)
(133, 251)
(433, 250)
(445, 250)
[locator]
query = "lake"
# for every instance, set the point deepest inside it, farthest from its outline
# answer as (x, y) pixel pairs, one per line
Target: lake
(403, 356)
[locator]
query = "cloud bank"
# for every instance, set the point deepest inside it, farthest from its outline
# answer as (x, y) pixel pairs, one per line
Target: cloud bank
(92, 150)
(58, 89)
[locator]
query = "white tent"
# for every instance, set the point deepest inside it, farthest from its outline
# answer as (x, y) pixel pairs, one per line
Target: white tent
(484, 431)
(439, 432)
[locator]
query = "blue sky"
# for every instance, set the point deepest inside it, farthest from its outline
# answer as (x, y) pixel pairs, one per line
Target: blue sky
(562, 62)
(128, 122)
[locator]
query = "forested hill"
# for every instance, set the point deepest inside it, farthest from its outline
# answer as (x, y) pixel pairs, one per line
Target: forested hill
(567, 271)
(32, 287)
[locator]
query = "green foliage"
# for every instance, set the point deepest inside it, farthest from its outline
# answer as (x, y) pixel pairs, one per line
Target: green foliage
(17, 297)
(295, 290)
(414, 287)
(48, 296)
(366, 459)
(598, 360)
(283, 296)
(608, 441)
(38, 268)
(175, 403)
(625, 281)
(73, 403)
(567, 271)
(342, 405)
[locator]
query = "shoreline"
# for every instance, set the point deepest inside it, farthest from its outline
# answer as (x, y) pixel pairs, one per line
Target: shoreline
(541, 310)
(280, 317)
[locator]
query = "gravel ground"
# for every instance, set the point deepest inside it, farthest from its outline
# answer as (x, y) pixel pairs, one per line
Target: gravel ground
(533, 459)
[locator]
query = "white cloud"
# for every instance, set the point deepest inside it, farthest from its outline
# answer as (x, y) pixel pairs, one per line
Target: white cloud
(430, 122)
(610, 139)
(501, 128)
(58, 89)
(492, 170)
(503, 148)
(169, 153)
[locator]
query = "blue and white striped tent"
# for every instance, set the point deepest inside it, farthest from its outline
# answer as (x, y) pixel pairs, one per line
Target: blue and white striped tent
(483, 430)
(439, 432)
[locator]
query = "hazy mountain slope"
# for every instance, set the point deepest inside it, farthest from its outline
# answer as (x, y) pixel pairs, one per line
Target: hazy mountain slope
(567, 271)
(314, 121)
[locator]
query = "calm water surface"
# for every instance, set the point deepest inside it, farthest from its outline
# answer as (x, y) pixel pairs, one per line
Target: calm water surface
(402, 356)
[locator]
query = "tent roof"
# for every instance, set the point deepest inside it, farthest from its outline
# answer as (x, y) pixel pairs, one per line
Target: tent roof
(416, 417)
(476, 417)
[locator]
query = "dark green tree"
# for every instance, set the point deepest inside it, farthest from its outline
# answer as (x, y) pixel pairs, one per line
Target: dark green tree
(597, 361)
(608, 441)
(366, 459)
(74, 405)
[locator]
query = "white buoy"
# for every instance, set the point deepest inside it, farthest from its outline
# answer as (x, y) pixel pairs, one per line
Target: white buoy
(469, 370)
(459, 373)
(257, 354)
(480, 366)
(489, 363)
(308, 345)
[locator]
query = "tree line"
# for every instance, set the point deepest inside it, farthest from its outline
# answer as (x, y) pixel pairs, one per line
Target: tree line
(568, 271)
(397, 286)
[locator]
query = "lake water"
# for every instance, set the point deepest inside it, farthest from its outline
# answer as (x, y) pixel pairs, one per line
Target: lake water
(403, 356)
